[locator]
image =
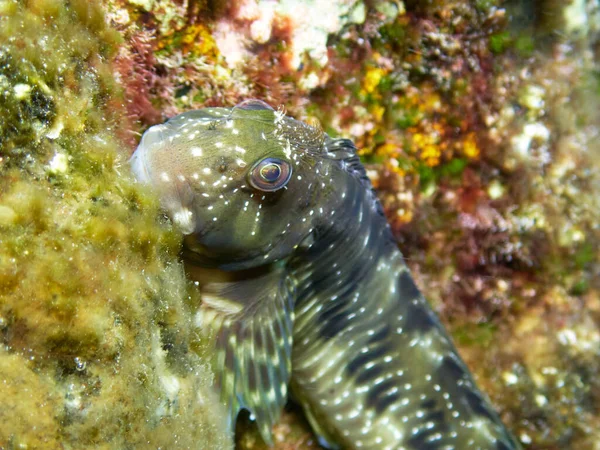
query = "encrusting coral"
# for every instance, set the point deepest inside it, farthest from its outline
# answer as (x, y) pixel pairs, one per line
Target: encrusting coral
(98, 347)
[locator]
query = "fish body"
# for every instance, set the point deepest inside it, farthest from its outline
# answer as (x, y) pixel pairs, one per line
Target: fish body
(306, 286)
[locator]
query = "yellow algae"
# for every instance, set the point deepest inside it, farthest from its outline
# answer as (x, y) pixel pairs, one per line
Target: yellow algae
(30, 397)
(426, 145)
(430, 102)
(372, 79)
(377, 111)
(7, 216)
(470, 147)
(404, 215)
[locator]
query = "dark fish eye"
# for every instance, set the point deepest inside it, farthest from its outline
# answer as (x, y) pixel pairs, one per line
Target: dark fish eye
(270, 174)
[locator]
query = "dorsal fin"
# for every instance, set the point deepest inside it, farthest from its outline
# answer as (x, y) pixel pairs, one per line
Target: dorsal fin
(344, 149)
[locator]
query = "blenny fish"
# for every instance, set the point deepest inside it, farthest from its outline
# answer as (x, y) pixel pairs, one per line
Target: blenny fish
(303, 285)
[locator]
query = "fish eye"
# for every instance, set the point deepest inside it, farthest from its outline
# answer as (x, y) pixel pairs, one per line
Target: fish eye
(270, 174)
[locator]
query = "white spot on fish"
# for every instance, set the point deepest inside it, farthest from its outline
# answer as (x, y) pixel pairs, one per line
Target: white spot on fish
(287, 151)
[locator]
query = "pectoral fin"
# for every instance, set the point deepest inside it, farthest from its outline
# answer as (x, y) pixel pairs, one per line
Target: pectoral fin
(251, 317)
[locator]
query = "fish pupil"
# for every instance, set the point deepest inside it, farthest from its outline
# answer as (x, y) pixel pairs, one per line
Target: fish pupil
(270, 172)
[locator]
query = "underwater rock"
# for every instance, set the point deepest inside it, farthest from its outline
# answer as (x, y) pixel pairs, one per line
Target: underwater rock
(97, 344)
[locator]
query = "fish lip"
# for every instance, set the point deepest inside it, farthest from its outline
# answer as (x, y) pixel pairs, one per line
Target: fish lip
(138, 165)
(138, 161)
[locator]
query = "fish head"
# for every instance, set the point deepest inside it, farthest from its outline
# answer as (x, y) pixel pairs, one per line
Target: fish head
(238, 182)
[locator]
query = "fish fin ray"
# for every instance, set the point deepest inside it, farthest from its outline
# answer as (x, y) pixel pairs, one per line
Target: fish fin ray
(345, 150)
(252, 319)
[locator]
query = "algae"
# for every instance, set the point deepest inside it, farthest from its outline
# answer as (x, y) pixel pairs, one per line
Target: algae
(478, 121)
(98, 346)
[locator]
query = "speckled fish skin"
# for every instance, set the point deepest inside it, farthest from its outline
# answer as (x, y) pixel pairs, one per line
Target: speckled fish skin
(307, 287)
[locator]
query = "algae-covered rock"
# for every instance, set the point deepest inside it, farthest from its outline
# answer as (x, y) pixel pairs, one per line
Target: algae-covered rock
(98, 348)
(478, 121)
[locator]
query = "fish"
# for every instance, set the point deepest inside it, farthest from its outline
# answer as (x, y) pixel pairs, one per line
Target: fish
(305, 292)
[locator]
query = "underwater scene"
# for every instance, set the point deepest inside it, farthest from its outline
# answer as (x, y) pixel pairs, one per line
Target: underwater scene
(300, 224)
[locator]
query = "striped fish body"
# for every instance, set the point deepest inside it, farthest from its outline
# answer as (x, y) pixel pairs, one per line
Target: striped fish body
(372, 365)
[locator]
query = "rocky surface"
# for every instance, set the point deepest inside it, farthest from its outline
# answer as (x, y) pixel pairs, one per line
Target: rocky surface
(478, 122)
(97, 342)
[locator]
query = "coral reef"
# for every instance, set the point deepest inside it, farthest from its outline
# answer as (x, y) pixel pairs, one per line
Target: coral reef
(98, 347)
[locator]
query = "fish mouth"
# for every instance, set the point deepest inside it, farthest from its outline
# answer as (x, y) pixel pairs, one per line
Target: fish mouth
(139, 167)
(138, 161)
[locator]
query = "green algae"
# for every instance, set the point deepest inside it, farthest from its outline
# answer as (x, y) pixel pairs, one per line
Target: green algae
(96, 316)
